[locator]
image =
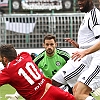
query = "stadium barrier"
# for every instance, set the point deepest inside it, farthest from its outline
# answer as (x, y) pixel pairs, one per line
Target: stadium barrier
(28, 30)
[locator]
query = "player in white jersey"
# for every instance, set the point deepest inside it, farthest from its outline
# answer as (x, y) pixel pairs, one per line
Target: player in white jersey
(87, 71)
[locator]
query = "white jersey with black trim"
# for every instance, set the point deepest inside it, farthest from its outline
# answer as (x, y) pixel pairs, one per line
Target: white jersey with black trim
(90, 29)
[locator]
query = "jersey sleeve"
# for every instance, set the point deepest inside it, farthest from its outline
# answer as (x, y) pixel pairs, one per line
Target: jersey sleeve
(65, 55)
(94, 22)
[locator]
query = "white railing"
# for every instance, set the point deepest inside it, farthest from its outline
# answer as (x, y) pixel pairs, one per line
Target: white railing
(28, 30)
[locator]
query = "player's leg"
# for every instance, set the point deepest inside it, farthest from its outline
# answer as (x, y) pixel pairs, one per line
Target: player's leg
(88, 81)
(81, 91)
(71, 70)
(55, 93)
(59, 81)
(69, 73)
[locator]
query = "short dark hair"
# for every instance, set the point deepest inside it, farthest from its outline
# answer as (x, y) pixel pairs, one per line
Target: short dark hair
(49, 37)
(8, 51)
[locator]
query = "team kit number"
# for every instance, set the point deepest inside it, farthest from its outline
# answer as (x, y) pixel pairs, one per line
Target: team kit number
(35, 75)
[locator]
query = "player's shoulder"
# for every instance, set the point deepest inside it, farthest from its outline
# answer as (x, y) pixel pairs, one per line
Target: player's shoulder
(95, 12)
(23, 55)
(62, 52)
(40, 56)
(94, 17)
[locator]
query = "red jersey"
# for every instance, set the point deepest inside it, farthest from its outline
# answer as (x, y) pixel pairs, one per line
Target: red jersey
(23, 74)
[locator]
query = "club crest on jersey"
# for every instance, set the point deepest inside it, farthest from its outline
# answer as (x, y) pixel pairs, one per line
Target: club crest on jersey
(58, 63)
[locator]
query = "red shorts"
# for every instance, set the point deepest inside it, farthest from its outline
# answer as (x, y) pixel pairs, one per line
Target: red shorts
(55, 93)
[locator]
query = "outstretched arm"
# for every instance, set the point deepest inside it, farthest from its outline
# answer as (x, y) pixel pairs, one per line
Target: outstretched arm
(79, 55)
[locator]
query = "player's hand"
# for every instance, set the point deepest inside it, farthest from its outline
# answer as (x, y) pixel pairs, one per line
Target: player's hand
(78, 55)
(11, 97)
(72, 42)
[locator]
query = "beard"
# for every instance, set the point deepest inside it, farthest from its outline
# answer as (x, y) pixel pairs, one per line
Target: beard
(49, 51)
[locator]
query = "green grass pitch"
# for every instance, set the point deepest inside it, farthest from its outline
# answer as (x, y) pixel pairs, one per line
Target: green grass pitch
(7, 89)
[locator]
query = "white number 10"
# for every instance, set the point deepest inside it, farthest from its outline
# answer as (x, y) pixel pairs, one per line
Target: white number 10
(35, 75)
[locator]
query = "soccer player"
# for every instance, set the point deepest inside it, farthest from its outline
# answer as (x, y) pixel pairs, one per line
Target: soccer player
(87, 71)
(23, 74)
(50, 60)
(16, 95)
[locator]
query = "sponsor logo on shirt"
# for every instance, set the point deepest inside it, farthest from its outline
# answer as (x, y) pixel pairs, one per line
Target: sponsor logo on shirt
(39, 84)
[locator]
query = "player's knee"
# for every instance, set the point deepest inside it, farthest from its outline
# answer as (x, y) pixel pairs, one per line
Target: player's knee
(81, 93)
(81, 90)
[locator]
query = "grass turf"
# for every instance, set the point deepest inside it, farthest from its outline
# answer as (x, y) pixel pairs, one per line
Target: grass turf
(7, 89)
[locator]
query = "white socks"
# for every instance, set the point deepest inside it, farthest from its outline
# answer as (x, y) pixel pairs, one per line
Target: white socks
(90, 98)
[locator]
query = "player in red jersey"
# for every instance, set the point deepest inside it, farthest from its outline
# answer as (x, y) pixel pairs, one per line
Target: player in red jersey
(23, 74)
